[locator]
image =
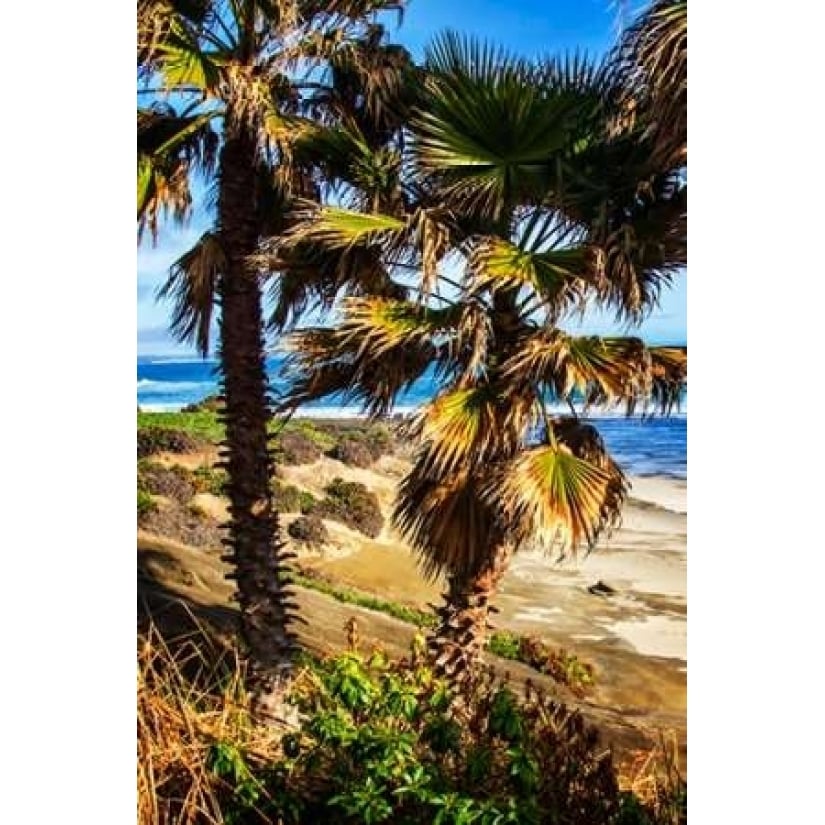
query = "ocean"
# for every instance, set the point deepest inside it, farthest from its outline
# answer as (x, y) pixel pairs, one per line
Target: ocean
(650, 446)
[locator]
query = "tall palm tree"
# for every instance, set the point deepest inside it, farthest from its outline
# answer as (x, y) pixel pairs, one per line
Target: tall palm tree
(227, 75)
(520, 204)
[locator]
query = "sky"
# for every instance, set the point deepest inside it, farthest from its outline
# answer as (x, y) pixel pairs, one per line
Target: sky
(528, 27)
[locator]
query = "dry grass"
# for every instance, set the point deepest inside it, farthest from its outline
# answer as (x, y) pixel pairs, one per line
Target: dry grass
(654, 776)
(191, 698)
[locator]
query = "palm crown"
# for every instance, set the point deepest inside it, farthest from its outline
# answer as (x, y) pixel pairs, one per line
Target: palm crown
(510, 224)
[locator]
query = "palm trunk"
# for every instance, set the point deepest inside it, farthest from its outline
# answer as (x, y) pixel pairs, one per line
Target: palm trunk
(464, 619)
(254, 545)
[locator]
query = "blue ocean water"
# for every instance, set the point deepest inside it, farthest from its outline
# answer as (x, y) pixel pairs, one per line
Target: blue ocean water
(650, 446)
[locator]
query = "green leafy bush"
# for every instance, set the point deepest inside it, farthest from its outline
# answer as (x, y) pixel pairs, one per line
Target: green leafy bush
(295, 448)
(351, 503)
(566, 668)
(385, 742)
(352, 452)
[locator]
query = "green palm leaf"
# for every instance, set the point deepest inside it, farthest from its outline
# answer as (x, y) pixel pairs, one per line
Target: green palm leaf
(555, 275)
(338, 228)
(489, 131)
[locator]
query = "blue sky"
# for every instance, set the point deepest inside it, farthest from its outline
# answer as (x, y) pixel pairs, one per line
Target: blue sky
(528, 27)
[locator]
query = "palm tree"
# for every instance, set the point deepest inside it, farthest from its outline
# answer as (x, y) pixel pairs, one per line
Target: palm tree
(226, 75)
(521, 202)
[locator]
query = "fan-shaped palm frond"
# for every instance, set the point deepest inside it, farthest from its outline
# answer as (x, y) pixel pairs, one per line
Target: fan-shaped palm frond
(668, 368)
(554, 275)
(490, 134)
(471, 426)
(446, 520)
(337, 228)
(600, 369)
(192, 286)
(550, 496)
(640, 248)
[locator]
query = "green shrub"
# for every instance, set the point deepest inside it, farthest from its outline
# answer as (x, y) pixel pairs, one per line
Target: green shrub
(565, 668)
(210, 404)
(295, 448)
(309, 530)
(145, 504)
(352, 452)
(176, 482)
(151, 440)
(351, 503)
(290, 499)
(385, 742)
(204, 426)
(210, 480)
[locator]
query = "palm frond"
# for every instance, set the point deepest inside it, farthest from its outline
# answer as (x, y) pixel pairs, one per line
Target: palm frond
(169, 148)
(639, 248)
(652, 61)
(445, 520)
(336, 228)
(555, 498)
(471, 426)
(554, 275)
(599, 369)
(490, 135)
(668, 370)
(192, 285)
(323, 363)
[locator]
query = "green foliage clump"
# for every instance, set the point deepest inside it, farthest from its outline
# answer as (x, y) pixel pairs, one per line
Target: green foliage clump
(212, 404)
(388, 742)
(295, 448)
(290, 499)
(204, 425)
(210, 480)
(151, 440)
(145, 504)
(565, 668)
(353, 453)
(176, 482)
(359, 445)
(351, 503)
(319, 434)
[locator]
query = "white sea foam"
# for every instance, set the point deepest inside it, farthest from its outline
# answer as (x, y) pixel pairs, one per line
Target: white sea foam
(145, 384)
(165, 361)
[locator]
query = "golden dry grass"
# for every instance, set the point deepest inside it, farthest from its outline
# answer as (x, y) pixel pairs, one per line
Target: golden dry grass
(191, 697)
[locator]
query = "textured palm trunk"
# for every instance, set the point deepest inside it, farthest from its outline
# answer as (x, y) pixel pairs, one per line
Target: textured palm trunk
(464, 620)
(254, 545)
